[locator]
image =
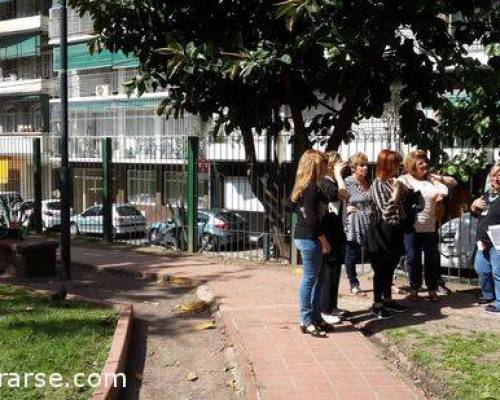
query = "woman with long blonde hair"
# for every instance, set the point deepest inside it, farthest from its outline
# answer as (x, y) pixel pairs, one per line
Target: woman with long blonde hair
(306, 200)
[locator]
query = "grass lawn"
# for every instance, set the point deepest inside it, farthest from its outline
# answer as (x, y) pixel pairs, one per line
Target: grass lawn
(461, 364)
(38, 336)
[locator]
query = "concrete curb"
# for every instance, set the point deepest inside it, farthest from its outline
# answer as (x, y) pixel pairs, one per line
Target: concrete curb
(251, 391)
(117, 357)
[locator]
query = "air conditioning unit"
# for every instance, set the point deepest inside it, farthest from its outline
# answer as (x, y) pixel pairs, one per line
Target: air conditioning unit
(102, 90)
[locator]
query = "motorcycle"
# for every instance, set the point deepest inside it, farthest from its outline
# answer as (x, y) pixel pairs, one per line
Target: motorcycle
(171, 234)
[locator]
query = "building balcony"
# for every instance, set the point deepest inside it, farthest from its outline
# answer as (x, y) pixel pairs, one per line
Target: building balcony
(79, 28)
(21, 16)
(28, 76)
(102, 84)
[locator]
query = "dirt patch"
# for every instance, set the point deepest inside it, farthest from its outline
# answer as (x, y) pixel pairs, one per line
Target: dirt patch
(168, 346)
(449, 349)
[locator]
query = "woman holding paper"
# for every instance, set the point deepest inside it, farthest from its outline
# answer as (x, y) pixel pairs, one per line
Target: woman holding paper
(487, 260)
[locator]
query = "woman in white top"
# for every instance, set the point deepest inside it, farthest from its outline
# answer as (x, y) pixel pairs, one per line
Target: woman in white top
(422, 235)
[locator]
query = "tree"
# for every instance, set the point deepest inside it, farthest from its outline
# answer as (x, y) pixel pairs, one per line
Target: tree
(245, 61)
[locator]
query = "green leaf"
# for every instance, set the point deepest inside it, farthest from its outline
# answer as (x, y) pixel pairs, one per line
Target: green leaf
(286, 59)
(451, 170)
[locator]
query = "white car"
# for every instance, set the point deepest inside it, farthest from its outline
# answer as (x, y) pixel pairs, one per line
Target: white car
(458, 241)
(51, 213)
(125, 218)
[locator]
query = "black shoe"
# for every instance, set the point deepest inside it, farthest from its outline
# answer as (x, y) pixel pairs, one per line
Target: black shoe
(483, 302)
(491, 309)
(443, 290)
(381, 312)
(313, 330)
(395, 307)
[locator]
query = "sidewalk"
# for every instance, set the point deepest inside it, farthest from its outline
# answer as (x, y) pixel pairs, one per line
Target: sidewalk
(259, 309)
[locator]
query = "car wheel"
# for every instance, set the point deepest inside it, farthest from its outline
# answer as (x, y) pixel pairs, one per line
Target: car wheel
(73, 229)
(115, 235)
(153, 236)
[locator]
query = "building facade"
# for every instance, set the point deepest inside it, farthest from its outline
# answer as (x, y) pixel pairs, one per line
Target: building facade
(25, 73)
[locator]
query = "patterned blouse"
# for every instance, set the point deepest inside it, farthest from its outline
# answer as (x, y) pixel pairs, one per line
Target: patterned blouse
(357, 224)
(384, 206)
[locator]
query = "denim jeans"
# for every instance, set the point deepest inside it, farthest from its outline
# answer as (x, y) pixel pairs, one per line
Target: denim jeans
(309, 292)
(415, 243)
(487, 266)
(352, 256)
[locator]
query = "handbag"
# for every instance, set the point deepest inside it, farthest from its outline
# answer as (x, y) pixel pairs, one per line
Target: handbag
(413, 203)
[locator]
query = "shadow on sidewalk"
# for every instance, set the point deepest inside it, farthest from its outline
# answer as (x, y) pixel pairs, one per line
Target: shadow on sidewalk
(419, 312)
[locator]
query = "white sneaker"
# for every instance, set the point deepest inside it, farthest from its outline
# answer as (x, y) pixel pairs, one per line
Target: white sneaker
(330, 319)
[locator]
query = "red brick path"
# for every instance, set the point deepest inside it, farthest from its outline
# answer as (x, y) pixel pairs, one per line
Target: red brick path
(259, 308)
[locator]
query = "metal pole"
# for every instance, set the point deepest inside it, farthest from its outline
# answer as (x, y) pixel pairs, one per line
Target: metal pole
(65, 171)
(37, 161)
(192, 201)
(107, 190)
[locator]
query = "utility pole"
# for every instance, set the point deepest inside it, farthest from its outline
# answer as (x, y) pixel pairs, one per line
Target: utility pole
(65, 176)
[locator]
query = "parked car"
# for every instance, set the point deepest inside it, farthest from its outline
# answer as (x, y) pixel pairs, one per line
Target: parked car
(126, 220)
(51, 213)
(458, 241)
(216, 228)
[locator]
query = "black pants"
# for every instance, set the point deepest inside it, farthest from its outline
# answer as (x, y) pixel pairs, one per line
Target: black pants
(329, 280)
(383, 266)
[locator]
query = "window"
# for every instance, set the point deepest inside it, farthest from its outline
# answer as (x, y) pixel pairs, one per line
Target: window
(175, 184)
(92, 212)
(141, 187)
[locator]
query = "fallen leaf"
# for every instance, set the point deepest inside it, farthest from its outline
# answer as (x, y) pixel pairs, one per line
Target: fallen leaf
(180, 281)
(205, 325)
(191, 377)
(196, 306)
(232, 384)
(297, 271)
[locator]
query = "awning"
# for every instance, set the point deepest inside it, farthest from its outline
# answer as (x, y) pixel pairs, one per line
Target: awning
(79, 57)
(19, 46)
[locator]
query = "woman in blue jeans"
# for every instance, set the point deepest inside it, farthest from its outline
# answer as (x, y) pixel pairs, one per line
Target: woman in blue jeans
(487, 260)
(306, 200)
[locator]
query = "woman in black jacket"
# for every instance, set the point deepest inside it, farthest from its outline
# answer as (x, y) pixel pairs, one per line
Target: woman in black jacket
(309, 236)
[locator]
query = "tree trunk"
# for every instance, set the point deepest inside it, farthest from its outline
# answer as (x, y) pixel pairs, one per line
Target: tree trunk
(347, 115)
(265, 186)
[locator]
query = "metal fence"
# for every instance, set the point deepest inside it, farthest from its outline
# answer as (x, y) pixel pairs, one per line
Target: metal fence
(231, 213)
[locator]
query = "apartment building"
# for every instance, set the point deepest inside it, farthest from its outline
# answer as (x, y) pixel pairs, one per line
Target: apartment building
(25, 73)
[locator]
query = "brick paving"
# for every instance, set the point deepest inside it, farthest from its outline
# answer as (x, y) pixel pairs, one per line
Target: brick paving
(259, 308)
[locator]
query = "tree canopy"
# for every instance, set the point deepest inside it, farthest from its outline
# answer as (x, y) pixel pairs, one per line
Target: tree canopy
(242, 60)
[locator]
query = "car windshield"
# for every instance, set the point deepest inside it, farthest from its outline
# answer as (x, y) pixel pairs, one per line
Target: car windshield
(124, 211)
(55, 205)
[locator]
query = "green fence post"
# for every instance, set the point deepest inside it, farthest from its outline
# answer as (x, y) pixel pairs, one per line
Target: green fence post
(107, 189)
(37, 175)
(192, 197)
(294, 257)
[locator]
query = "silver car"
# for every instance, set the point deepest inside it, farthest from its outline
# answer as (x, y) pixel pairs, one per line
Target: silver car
(126, 220)
(458, 241)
